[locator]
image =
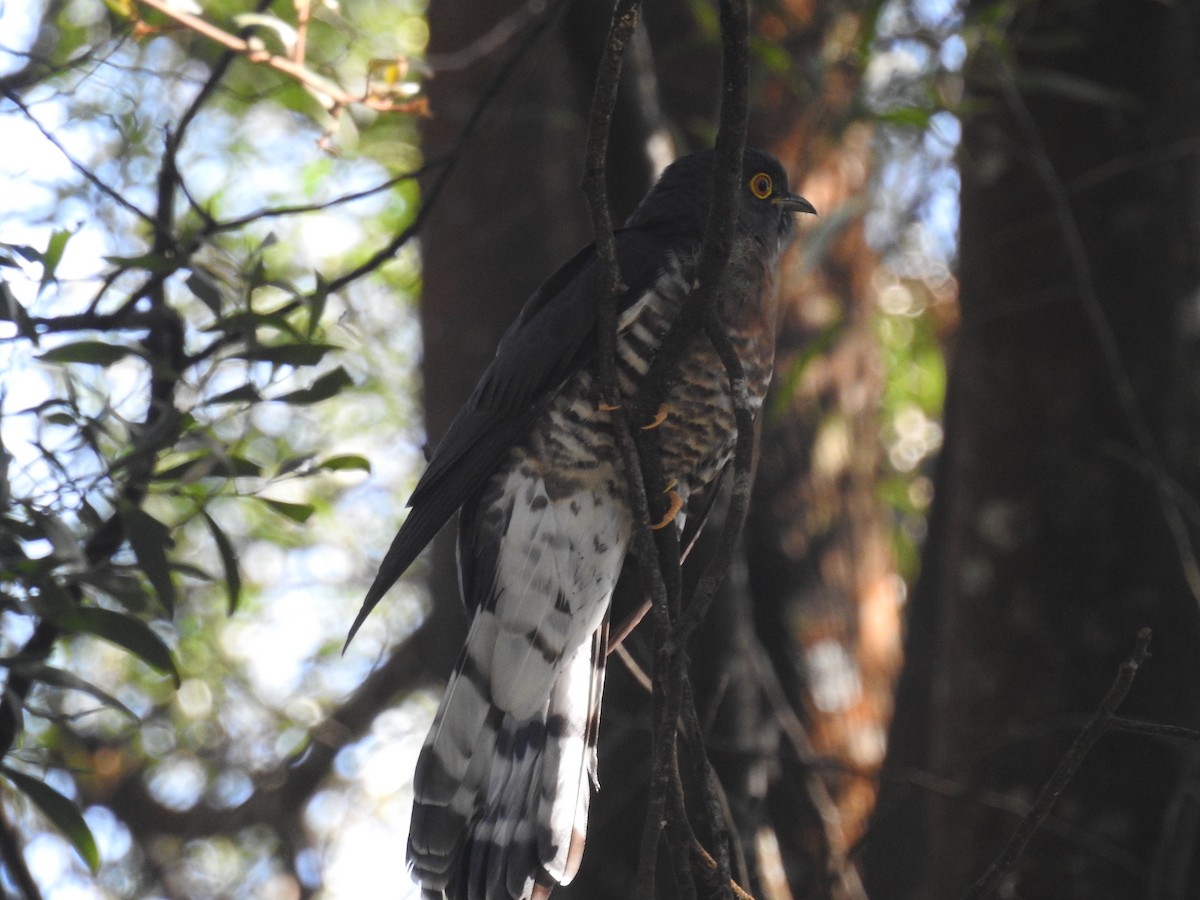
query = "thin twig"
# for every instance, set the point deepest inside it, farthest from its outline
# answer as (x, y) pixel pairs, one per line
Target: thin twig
(637, 459)
(90, 176)
(332, 95)
(1100, 722)
(486, 44)
(450, 161)
(720, 823)
(710, 864)
(277, 212)
(14, 860)
(1102, 329)
(840, 869)
(604, 100)
(1154, 729)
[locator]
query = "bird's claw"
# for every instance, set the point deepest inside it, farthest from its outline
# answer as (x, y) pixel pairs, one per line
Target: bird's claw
(659, 418)
(609, 407)
(676, 506)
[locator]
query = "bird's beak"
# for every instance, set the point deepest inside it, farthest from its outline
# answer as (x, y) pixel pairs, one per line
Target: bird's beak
(794, 203)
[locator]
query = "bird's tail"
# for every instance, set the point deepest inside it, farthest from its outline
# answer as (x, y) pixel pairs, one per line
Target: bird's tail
(501, 803)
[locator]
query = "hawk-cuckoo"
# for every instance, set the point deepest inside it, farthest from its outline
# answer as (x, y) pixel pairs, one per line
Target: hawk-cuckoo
(502, 784)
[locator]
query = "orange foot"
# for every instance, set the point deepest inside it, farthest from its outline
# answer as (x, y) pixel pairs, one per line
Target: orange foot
(676, 506)
(659, 418)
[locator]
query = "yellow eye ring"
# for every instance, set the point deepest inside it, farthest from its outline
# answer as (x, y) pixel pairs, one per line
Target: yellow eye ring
(760, 185)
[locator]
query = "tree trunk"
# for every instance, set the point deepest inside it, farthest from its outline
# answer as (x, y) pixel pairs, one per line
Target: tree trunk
(1058, 527)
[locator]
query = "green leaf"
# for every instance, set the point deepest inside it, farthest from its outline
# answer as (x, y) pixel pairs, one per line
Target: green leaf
(119, 584)
(206, 290)
(191, 571)
(247, 393)
(64, 814)
(246, 322)
(123, 9)
(209, 465)
(52, 257)
(150, 540)
(346, 463)
(96, 353)
(287, 354)
(125, 631)
(908, 116)
(11, 310)
(61, 678)
(149, 262)
(316, 304)
(30, 254)
(297, 512)
(291, 465)
(328, 385)
(229, 560)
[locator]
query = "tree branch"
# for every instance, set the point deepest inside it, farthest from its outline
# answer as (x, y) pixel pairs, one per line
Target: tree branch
(90, 176)
(330, 94)
(448, 162)
(14, 860)
(1100, 722)
(1102, 329)
(283, 792)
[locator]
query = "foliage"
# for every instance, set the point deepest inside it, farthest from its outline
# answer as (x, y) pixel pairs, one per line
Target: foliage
(168, 359)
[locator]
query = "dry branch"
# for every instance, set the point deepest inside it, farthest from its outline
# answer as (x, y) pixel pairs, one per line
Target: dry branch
(331, 95)
(1100, 722)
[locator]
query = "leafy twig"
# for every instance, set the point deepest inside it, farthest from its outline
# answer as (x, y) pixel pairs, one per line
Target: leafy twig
(331, 94)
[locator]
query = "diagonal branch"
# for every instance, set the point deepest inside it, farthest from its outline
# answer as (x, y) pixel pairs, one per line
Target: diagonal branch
(88, 175)
(13, 857)
(1102, 329)
(1100, 722)
(283, 792)
(331, 94)
(449, 162)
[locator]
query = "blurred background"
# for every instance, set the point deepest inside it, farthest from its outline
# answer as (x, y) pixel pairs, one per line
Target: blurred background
(254, 256)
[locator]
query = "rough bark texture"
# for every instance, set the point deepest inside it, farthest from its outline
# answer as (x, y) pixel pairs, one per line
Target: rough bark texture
(1049, 546)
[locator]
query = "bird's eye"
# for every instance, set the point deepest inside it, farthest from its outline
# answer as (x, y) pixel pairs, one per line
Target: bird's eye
(760, 185)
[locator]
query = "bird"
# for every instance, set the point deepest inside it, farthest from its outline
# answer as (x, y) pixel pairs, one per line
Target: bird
(529, 463)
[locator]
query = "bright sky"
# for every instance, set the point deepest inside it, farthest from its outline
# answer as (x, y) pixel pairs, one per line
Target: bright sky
(360, 830)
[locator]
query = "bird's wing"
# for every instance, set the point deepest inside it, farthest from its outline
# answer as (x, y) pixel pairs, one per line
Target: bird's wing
(551, 340)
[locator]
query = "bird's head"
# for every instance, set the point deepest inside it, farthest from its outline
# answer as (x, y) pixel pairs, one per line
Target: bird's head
(768, 207)
(681, 198)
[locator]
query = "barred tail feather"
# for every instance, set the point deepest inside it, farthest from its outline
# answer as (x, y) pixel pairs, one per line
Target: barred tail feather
(501, 803)
(454, 762)
(574, 714)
